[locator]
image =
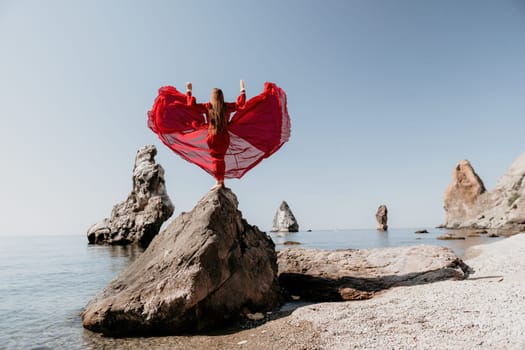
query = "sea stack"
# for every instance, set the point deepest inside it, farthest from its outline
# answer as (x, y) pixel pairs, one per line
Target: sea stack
(462, 193)
(139, 218)
(207, 268)
(469, 205)
(284, 220)
(382, 218)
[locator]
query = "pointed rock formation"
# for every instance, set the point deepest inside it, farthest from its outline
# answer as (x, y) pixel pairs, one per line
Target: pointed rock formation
(139, 218)
(354, 274)
(382, 218)
(462, 193)
(205, 269)
(468, 205)
(284, 220)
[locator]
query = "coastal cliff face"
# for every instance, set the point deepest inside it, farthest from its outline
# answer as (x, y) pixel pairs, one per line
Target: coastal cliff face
(139, 218)
(207, 268)
(469, 205)
(284, 220)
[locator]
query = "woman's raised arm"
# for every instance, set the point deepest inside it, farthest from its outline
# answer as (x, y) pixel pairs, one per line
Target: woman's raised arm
(192, 102)
(241, 100)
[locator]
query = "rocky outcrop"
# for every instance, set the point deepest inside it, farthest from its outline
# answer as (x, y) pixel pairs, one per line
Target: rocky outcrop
(139, 218)
(382, 218)
(320, 275)
(284, 220)
(462, 194)
(468, 205)
(205, 269)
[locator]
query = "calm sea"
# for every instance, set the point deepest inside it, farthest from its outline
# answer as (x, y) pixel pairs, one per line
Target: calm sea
(45, 281)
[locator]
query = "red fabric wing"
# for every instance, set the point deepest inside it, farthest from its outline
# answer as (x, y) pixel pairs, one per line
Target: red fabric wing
(256, 131)
(170, 113)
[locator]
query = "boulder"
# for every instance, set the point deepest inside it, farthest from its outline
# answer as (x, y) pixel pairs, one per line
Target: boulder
(139, 218)
(320, 275)
(284, 220)
(206, 269)
(468, 205)
(382, 218)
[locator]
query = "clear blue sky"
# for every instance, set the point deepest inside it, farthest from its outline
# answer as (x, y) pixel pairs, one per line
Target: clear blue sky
(385, 98)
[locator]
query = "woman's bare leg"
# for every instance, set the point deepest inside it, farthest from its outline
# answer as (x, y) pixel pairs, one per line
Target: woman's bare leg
(219, 166)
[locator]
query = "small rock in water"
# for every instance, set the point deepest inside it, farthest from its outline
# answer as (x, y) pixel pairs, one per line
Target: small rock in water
(421, 231)
(291, 243)
(493, 235)
(449, 237)
(255, 317)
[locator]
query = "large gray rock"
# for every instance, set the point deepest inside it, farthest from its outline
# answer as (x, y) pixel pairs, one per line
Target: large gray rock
(284, 220)
(468, 205)
(382, 218)
(205, 269)
(320, 275)
(139, 218)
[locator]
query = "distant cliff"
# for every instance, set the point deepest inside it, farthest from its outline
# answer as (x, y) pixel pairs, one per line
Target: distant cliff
(469, 205)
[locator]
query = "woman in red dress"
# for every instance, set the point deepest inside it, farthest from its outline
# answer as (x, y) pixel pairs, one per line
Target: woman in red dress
(218, 116)
(204, 134)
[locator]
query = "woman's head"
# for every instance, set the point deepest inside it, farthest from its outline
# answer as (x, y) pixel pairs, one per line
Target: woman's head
(217, 113)
(216, 96)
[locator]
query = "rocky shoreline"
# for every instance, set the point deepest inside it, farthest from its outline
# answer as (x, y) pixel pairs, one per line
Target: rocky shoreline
(210, 268)
(468, 205)
(211, 280)
(484, 311)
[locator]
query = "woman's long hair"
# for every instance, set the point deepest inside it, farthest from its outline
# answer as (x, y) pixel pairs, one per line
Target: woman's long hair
(217, 112)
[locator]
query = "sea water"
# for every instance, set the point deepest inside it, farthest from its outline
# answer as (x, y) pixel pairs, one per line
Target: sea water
(45, 281)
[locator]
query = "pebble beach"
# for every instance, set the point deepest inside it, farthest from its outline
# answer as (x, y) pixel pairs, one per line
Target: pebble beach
(485, 311)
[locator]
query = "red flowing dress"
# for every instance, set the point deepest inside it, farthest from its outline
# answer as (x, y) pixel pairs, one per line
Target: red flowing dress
(259, 127)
